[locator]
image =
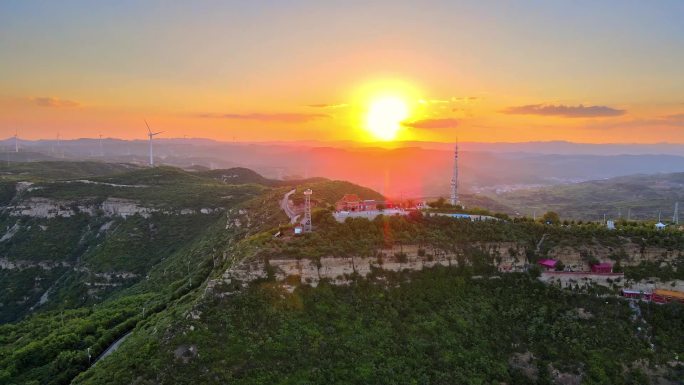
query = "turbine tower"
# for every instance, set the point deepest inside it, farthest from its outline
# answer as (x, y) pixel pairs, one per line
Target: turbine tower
(307, 211)
(454, 178)
(16, 141)
(675, 217)
(60, 152)
(151, 135)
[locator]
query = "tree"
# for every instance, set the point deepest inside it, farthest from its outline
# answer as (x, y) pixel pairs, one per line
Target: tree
(438, 204)
(551, 218)
(560, 266)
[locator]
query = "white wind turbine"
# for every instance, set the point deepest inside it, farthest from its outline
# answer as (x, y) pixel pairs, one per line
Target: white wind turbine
(151, 135)
(16, 141)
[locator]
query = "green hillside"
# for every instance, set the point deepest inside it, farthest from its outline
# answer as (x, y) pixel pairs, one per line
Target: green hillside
(458, 324)
(432, 327)
(328, 192)
(87, 254)
(55, 170)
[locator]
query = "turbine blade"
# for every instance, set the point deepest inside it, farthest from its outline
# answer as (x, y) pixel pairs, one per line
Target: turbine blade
(148, 126)
(157, 133)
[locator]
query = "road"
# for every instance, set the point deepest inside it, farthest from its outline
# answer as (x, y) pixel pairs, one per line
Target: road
(112, 347)
(286, 207)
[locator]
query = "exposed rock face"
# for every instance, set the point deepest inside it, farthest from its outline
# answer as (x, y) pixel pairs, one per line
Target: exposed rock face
(10, 233)
(6, 264)
(123, 208)
(338, 270)
(37, 207)
(309, 271)
(185, 353)
(44, 208)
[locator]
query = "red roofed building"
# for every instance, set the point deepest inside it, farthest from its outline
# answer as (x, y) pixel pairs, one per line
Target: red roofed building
(352, 202)
(548, 264)
(602, 268)
(665, 296)
(349, 202)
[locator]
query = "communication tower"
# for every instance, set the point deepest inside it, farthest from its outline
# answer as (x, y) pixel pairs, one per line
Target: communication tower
(454, 178)
(307, 227)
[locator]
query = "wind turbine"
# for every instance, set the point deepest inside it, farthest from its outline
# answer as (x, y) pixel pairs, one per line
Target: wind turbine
(59, 147)
(16, 141)
(151, 135)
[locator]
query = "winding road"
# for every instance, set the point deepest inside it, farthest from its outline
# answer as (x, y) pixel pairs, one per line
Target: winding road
(284, 204)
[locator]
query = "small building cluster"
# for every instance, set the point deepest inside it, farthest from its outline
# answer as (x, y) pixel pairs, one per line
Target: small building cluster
(598, 268)
(352, 202)
(657, 295)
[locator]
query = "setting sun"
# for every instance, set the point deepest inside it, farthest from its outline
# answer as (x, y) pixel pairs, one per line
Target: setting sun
(385, 116)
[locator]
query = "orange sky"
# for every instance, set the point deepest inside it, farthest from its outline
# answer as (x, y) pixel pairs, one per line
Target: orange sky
(482, 72)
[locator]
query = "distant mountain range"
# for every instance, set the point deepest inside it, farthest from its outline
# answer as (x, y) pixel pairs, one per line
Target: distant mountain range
(406, 169)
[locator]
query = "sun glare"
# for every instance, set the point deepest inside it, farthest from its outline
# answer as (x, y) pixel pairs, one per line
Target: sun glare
(385, 115)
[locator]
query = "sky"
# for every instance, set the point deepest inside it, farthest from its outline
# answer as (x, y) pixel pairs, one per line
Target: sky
(490, 71)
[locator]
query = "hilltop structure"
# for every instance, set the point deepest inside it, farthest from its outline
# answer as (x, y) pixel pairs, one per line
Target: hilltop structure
(454, 178)
(307, 225)
(352, 202)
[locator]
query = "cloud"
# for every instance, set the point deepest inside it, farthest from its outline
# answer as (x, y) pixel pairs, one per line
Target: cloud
(453, 99)
(676, 119)
(663, 121)
(331, 106)
(580, 111)
(434, 101)
(269, 117)
(48, 101)
(466, 99)
(432, 123)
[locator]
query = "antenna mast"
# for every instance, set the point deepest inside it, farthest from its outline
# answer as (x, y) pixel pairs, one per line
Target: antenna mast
(307, 211)
(454, 177)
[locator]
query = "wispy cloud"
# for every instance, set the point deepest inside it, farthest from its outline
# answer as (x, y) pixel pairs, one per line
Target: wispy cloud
(676, 119)
(431, 124)
(331, 106)
(269, 117)
(579, 111)
(453, 99)
(47, 101)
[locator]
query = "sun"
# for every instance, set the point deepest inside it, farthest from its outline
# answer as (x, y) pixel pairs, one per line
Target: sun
(385, 115)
